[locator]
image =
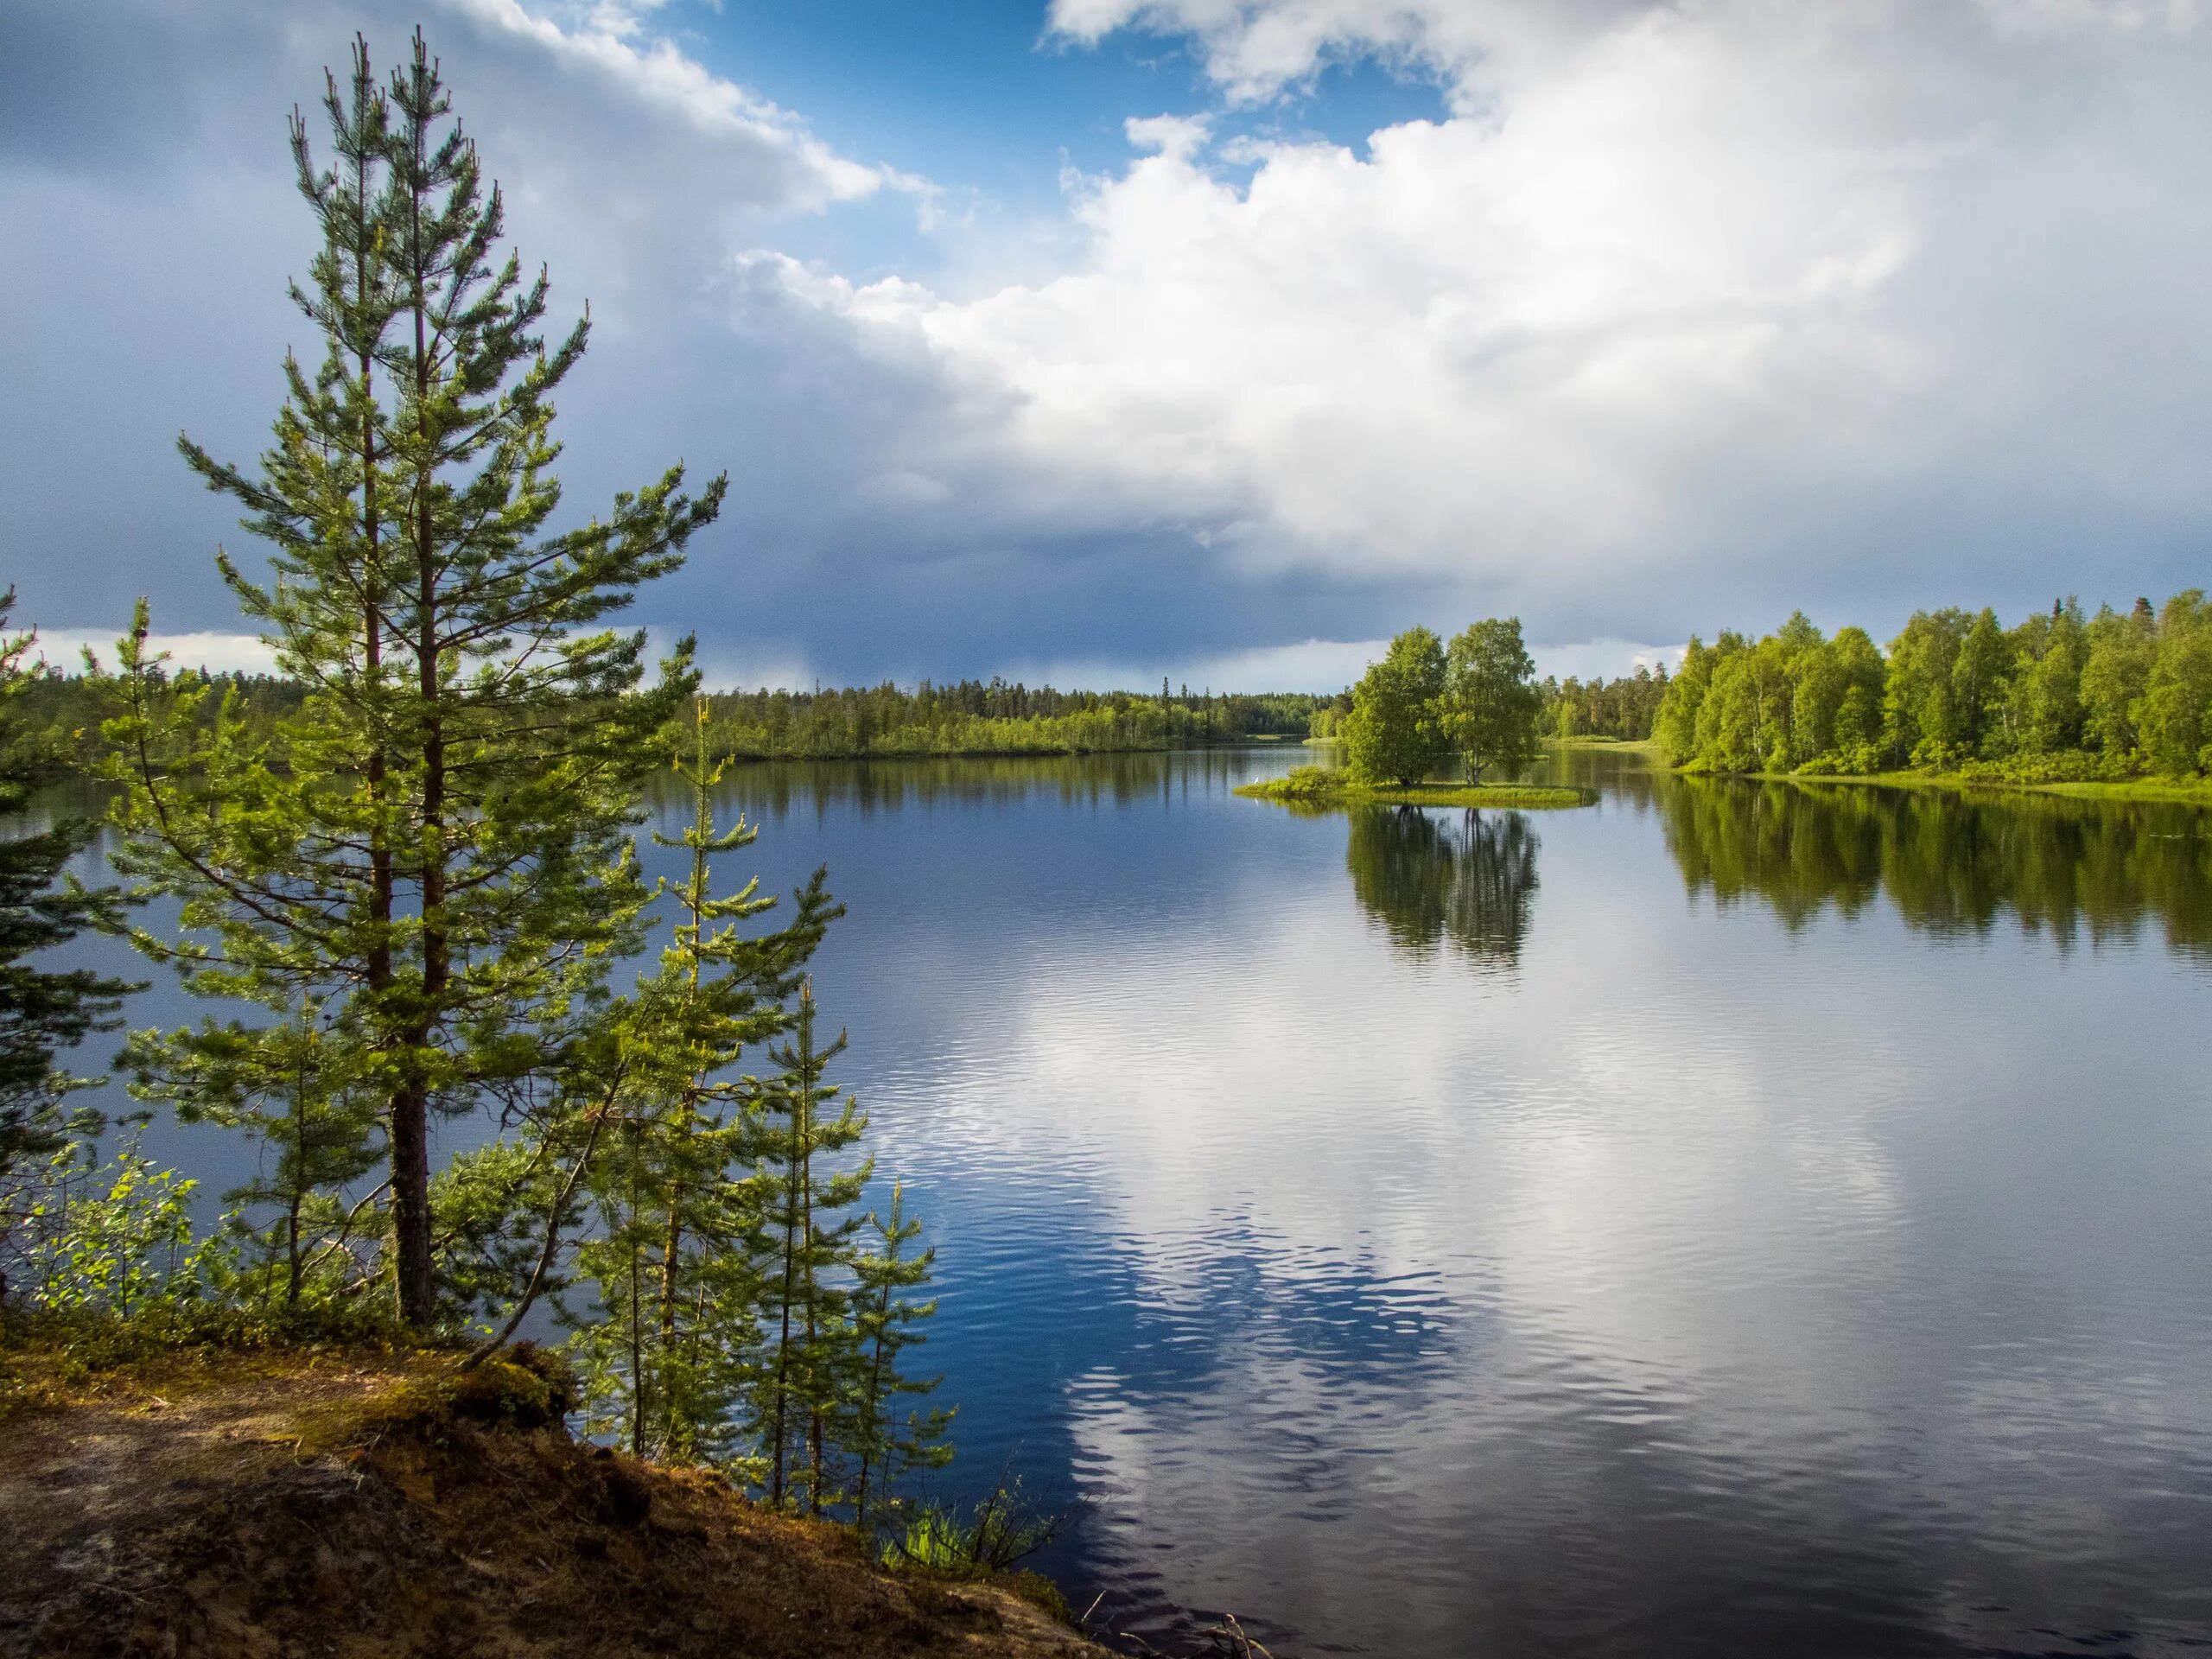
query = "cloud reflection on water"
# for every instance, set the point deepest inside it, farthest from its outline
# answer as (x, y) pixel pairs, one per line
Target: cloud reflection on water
(1710, 1278)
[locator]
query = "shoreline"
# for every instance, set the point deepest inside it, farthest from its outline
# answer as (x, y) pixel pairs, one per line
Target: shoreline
(2168, 791)
(1539, 798)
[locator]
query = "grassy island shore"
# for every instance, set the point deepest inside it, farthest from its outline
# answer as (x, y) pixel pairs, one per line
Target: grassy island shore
(1323, 787)
(1610, 745)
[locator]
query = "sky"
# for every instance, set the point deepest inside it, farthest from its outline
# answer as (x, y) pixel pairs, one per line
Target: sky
(1097, 340)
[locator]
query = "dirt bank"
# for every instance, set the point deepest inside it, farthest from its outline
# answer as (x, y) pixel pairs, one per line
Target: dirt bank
(353, 1503)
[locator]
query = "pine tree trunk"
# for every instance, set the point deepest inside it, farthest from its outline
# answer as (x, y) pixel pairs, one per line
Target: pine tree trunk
(408, 1125)
(411, 1191)
(638, 1389)
(410, 1116)
(784, 1335)
(297, 1194)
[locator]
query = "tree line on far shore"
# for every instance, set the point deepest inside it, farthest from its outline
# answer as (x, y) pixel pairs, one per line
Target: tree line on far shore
(2060, 696)
(965, 717)
(1626, 707)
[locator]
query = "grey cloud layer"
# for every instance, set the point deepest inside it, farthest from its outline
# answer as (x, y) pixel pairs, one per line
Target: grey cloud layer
(1685, 317)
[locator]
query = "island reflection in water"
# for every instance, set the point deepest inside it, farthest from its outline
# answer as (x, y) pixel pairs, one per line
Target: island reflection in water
(1428, 876)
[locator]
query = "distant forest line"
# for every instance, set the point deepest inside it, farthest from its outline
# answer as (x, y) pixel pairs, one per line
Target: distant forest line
(2062, 696)
(966, 717)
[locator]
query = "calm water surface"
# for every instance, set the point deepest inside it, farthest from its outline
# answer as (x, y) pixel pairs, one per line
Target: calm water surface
(1727, 1219)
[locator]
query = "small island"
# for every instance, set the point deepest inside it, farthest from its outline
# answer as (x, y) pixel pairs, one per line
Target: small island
(1328, 786)
(1419, 708)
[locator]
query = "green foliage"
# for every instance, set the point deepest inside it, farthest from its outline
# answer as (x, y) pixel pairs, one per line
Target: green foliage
(1920, 723)
(1490, 701)
(67, 711)
(428, 860)
(2174, 715)
(884, 1320)
(2057, 698)
(998, 1532)
(41, 1010)
(1312, 783)
(739, 1315)
(298, 1240)
(1327, 719)
(971, 717)
(804, 1371)
(2114, 676)
(678, 1256)
(1315, 789)
(993, 717)
(1626, 709)
(113, 1238)
(1395, 733)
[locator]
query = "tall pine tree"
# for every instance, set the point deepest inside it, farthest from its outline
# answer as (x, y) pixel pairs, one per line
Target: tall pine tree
(678, 1256)
(433, 850)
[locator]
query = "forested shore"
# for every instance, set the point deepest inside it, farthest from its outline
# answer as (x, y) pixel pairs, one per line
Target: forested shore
(965, 717)
(2060, 698)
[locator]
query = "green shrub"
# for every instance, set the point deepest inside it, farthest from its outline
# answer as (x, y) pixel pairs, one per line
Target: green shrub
(115, 1239)
(1306, 784)
(1003, 1530)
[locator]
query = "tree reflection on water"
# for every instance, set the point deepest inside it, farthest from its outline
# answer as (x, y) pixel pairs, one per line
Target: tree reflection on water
(1466, 877)
(2071, 867)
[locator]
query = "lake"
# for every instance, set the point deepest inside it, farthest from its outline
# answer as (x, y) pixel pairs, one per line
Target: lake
(1729, 1218)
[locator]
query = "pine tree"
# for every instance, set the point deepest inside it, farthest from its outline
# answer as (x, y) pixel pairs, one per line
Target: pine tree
(883, 1315)
(432, 848)
(42, 1011)
(809, 1344)
(677, 1257)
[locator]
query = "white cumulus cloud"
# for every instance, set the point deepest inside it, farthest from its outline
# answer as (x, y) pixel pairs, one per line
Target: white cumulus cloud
(1731, 297)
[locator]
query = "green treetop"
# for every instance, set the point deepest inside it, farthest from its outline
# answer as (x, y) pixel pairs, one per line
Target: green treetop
(1393, 734)
(1490, 700)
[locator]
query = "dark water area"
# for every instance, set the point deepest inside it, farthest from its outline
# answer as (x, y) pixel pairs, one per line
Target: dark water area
(1728, 1219)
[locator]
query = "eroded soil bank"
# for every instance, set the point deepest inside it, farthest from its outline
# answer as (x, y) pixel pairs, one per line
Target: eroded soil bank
(354, 1502)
